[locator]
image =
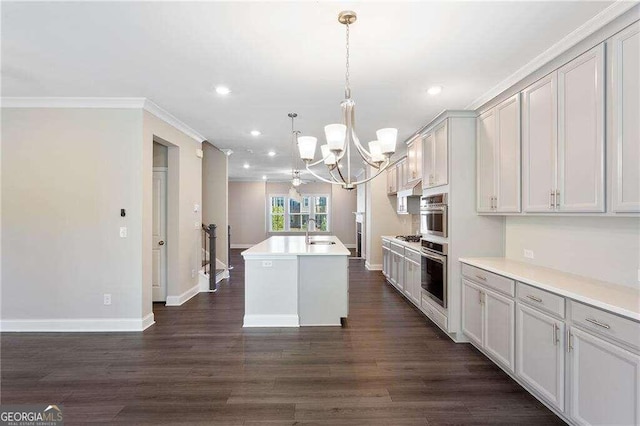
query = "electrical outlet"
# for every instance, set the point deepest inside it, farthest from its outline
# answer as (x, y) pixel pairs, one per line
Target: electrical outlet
(123, 232)
(267, 263)
(107, 299)
(528, 254)
(197, 225)
(193, 273)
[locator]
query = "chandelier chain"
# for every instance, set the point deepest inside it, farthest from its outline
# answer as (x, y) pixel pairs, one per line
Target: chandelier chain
(347, 88)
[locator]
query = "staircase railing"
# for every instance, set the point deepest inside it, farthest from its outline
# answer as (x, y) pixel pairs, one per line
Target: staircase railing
(209, 256)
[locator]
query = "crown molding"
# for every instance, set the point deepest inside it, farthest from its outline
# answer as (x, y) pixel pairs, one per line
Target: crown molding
(165, 116)
(591, 26)
(118, 103)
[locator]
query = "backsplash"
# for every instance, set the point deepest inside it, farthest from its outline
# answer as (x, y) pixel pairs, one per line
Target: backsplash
(604, 248)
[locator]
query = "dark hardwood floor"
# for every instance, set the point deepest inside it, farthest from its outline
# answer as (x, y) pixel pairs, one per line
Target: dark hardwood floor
(388, 366)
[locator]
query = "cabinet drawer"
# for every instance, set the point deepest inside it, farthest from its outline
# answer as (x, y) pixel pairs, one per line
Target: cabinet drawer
(488, 279)
(386, 243)
(397, 248)
(412, 255)
(433, 313)
(541, 299)
(607, 324)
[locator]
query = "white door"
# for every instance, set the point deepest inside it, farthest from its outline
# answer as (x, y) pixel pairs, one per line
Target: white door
(499, 328)
(539, 144)
(603, 382)
(581, 133)
(416, 287)
(441, 154)
(486, 144)
(472, 312)
(428, 146)
(159, 247)
(508, 162)
(625, 125)
(540, 353)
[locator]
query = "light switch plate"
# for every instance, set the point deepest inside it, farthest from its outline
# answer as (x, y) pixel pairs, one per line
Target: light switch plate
(528, 254)
(197, 225)
(123, 232)
(107, 299)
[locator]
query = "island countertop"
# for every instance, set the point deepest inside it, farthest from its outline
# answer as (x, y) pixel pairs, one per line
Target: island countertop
(297, 246)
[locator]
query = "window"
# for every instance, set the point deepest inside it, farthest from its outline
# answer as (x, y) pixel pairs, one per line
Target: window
(292, 215)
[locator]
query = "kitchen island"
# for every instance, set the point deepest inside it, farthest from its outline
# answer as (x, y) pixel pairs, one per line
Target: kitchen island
(290, 282)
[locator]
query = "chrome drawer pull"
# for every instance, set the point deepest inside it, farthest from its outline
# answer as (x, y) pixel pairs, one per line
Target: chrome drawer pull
(535, 299)
(598, 323)
(480, 277)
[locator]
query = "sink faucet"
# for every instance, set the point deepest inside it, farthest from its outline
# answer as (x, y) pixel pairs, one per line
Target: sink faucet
(307, 233)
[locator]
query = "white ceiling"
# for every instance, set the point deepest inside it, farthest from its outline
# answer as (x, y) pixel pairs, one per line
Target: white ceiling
(277, 57)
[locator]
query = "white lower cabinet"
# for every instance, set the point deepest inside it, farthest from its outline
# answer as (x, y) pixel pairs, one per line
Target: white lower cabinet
(386, 260)
(582, 361)
(603, 381)
(488, 319)
(540, 353)
(412, 280)
(397, 270)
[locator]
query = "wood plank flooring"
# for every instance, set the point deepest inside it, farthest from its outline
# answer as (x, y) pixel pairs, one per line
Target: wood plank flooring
(196, 365)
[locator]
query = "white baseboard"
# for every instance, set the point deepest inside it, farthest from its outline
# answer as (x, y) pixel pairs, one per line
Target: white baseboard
(242, 246)
(373, 267)
(85, 325)
(271, 321)
(179, 300)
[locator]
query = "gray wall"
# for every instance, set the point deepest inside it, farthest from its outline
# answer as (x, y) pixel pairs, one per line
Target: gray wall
(215, 196)
(605, 248)
(66, 173)
(248, 203)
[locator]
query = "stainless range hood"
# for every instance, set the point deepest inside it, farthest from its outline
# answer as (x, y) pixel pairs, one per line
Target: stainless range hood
(409, 199)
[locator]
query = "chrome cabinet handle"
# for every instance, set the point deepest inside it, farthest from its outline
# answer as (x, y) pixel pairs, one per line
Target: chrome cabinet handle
(556, 338)
(569, 346)
(598, 323)
(535, 299)
(480, 297)
(557, 198)
(480, 277)
(552, 201)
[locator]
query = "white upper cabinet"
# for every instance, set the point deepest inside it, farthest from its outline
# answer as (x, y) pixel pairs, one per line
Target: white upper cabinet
(486, 140)
(581, 133)
(498, 145)
(563, 138)
(414, 160)
(435, 157)
(539, 140)
(625, 119)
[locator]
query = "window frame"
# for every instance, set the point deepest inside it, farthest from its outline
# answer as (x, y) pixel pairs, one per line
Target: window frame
(287, 212)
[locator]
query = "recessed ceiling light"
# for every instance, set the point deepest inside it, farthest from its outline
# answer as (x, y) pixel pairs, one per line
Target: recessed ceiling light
(255, 133)
(222, 90)
(271, 153)
(434, 90)
(264, 177)
(246, 165)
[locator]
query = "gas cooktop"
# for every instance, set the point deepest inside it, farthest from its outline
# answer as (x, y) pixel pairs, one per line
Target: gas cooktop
(409, 238)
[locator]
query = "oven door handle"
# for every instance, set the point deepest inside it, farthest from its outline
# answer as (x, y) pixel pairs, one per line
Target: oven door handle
(434, 257)
(433, 209)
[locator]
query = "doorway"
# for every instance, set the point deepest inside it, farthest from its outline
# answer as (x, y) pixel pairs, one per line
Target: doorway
(159, 244)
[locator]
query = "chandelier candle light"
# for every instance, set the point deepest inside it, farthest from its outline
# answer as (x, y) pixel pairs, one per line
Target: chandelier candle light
(340, 137)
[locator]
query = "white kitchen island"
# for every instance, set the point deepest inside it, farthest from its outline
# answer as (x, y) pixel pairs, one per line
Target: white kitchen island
(289, 283)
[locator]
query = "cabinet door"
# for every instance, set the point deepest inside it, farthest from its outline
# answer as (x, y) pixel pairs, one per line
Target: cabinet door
(400, 280)
(508, 161)
(625, 125)
(417, 146)
(393, 268)
(416, 289)
(472, 312)
(441, 155)
(499, 328)
(603, 382)
(581, 133)
(408, 277)
(540, 353)
(539, 144)
(428, 151)
(414, 160)
(390, 177)
(486, 145)
(385, 259)
(402, 174)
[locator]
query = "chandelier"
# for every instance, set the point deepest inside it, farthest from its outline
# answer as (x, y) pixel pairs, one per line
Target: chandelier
(340, 137)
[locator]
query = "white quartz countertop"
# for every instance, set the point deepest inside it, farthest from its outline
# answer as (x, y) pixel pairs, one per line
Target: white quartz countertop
(412, 246)
(283, 245)
(615, 298)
